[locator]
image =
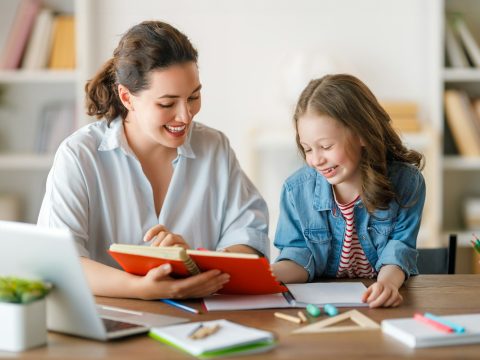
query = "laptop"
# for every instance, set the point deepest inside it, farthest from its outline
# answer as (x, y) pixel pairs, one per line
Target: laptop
(29, 251)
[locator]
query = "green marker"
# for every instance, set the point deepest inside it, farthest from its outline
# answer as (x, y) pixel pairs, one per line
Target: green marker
(313, 310)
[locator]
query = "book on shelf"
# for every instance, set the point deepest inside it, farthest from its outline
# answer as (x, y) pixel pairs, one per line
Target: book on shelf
(469, 43)
(404, 115)
(249, 273)
(229, 339)
(9, 7)
(19, 33)
(40, 43)
(57, 121)
(63, 42)
(455, 54)
(476, 107)
(416, 334)
(463, 122)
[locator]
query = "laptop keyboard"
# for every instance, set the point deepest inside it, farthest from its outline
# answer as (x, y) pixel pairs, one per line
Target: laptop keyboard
(115, 325)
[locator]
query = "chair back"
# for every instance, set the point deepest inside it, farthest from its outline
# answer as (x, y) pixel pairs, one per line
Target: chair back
(438, 260)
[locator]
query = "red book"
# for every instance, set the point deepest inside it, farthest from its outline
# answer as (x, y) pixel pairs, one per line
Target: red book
(249, 274)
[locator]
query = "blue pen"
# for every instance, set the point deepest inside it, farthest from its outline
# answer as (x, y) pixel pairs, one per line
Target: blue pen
(457, 328)
(180, 306)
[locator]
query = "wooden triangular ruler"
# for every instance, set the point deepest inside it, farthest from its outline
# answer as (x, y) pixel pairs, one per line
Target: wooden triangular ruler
(363, 323)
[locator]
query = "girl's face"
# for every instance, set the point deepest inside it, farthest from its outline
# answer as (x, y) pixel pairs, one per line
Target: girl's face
(333, 151)
(163, 113)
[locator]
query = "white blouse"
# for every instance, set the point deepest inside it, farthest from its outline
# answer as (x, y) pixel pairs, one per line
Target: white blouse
(97, 189)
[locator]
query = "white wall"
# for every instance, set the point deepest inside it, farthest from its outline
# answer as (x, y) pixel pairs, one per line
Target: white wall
(242, 45)
(246, 45)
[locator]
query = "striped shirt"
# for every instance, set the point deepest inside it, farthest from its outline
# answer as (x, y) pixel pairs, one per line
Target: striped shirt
(353, 262)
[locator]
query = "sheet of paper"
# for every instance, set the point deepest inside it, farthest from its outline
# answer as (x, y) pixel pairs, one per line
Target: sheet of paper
(335, 293)
(338, 294)
(245, 302)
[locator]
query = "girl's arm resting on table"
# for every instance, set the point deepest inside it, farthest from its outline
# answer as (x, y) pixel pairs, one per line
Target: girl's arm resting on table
(156, 284)
(288, 271)
(385, 291)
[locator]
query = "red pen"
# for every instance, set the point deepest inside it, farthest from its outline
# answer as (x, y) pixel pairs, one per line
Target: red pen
(439, 326)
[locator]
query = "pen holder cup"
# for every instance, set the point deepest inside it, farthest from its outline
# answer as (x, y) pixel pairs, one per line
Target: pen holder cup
(22, 326)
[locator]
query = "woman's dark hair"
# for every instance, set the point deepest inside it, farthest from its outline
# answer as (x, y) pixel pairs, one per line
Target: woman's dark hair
(348, 100)
(147, 46)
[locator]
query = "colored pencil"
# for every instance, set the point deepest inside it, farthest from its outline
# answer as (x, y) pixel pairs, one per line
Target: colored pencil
(457, 328)
(439, 326)
(180, 306)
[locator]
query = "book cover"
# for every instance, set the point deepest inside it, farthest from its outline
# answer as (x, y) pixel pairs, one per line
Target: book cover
(455, 55)
(139, 260)
(469, 42)
(230, 339)
(460, 117)
(249, 273)
(19, 34)
(40, 42)
(417, 335)
(9, 7)
(63, 43)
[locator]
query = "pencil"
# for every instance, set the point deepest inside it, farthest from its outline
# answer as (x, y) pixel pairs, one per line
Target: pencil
(283, 316)
(180, 306)
(302, 316)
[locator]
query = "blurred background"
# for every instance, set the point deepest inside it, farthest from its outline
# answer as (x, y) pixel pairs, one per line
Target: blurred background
(420, 58)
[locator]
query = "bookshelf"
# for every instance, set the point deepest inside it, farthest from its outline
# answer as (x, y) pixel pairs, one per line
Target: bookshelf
(460, 174)
(24, 95)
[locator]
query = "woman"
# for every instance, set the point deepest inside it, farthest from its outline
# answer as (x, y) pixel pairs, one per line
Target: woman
(147, 173)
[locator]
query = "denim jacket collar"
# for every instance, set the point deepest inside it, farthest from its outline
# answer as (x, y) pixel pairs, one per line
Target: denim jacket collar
(323, 197)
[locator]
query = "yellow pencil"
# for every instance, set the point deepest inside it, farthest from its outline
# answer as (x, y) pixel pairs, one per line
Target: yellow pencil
(290, 318)
(302, 316)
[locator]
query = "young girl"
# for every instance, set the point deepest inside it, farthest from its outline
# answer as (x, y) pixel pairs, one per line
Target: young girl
(355, 210)
(148, 172)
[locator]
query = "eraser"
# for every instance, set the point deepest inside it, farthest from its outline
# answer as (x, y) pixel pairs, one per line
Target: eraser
(313, 310)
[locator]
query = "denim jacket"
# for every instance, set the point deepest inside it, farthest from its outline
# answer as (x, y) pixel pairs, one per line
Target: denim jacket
(311, 228)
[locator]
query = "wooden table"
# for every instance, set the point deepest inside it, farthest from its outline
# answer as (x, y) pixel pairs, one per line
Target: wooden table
(439, 294)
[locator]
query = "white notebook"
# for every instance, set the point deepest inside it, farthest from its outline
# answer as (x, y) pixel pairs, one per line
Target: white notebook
(230, 339)
(417, 334)
(343, 294)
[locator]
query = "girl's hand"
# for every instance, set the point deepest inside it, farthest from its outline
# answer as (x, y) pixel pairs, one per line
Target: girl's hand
(383, 294)
(161, 236)
(157, 284)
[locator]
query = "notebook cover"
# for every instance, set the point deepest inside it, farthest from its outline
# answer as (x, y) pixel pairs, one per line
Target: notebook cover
(247, 276)
(140, 265)
(417, 335)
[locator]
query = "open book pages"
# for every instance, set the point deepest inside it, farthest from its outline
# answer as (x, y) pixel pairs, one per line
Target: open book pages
(230, 339)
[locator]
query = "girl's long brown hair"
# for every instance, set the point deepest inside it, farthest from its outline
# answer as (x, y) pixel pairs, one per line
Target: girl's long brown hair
(348, 100)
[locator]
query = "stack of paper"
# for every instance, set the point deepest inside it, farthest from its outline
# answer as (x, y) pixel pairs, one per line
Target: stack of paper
(231, 339)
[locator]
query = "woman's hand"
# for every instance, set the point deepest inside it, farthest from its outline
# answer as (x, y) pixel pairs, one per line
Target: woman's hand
(385, 291)
(157, 284)
(161, 236)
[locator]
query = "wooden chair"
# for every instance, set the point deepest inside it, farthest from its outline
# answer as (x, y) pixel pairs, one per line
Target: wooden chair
(438, 260)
